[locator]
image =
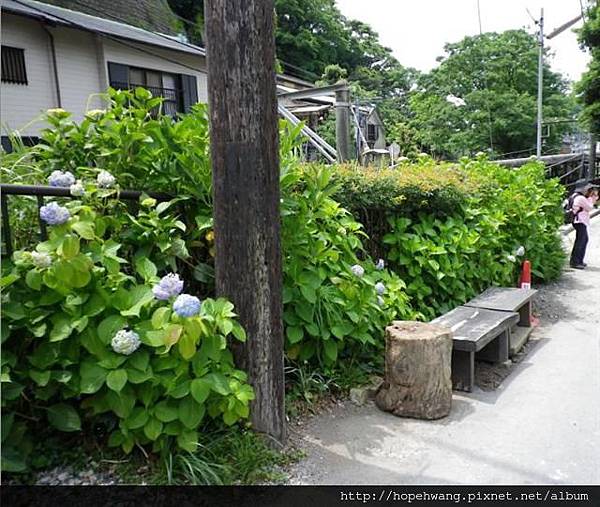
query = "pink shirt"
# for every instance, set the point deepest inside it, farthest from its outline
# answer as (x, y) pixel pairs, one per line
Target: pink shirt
(583, 205)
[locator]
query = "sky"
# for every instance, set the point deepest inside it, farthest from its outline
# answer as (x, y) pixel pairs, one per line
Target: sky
(416, 30)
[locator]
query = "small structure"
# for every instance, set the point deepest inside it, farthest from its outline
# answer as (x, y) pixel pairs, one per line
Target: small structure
(417, 380)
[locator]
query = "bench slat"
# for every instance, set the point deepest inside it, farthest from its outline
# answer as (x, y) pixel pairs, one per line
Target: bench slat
(474, 328)
(504, 299)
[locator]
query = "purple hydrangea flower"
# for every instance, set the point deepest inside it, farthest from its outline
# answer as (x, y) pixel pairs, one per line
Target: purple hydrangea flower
(358, 270)
(186, 305)
(169, 286)
(125, 342)
(379, 288)
(61, 179)
(53, 214)
(380, 264)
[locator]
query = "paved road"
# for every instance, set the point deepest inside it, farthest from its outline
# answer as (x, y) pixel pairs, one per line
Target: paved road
(542, 426)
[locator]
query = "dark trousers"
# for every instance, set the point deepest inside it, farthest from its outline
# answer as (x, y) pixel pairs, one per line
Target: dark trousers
(581, 241)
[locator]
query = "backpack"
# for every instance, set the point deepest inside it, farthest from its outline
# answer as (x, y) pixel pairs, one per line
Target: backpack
(570, 215)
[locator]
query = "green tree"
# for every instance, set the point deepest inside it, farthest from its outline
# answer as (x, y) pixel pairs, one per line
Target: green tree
(192, 11)
(482, 97)
(588, 88)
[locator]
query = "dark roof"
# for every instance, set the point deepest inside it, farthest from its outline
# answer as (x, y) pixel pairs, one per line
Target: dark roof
(60, 16)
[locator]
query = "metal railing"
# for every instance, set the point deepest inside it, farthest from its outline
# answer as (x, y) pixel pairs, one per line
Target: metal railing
(40, 192)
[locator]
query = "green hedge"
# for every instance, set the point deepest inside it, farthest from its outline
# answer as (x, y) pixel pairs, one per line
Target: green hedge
(443, 231)
(452, 230)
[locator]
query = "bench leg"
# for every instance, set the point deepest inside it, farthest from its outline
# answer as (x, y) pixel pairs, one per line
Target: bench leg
(525, 315)
(497, 350)
(463, 370)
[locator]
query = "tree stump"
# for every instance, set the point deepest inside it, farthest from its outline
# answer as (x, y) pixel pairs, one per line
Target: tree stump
(418, 381)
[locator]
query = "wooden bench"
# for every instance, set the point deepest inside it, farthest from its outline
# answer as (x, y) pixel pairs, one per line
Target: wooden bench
(476, 331)
(511, 300)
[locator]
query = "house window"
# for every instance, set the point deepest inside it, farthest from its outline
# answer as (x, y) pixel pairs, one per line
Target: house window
(372, 132)
(160, 84)
(13, 65)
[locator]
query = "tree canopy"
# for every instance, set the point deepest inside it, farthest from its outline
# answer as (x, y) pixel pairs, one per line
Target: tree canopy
(482, 96)
(588, 89)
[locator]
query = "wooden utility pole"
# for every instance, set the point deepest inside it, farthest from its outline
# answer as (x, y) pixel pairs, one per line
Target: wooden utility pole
(342, 123)
(245, 163)
(591, 171)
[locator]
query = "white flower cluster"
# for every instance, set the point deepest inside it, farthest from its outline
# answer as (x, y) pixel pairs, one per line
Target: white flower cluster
(358, 270)
(41, 259)
(77, 189)
(105, 179)
(125, 342)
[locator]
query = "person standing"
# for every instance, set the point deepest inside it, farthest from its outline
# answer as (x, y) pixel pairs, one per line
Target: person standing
(584, 199)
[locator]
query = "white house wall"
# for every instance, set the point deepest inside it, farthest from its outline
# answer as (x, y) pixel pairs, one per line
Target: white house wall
(159, 59)
(78, 73)
(20, 104)
(82, 70)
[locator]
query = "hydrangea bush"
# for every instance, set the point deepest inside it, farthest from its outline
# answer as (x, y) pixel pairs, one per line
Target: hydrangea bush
(90, 329)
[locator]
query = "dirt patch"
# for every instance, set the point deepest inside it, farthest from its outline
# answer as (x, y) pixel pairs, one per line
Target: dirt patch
(488, 376)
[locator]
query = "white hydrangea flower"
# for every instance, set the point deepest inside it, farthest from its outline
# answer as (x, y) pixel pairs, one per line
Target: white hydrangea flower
(380, 265)
(379, 288)
(95, 112)
(511, 258)
(41, 259)
(55, 111)
(520, 251)
(358, 270)
(77, 189)
(105, 179)
(125, 342)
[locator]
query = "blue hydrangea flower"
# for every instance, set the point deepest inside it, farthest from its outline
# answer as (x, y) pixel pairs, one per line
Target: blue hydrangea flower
(380, 264)
(169, 286)
(105, 179)
(358, 270)
(53, 214)
(125, 342)
(61, 179)
(186, 305)
(379, 288)
(41, 259)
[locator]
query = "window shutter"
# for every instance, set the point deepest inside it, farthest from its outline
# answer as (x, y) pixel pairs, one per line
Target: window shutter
(118, 75)
(189, 91)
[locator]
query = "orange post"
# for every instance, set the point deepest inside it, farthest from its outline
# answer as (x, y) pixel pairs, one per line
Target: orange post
(525, 281)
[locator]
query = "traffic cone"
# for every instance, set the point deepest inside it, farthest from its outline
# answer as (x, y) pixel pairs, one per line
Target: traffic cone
(525, 281)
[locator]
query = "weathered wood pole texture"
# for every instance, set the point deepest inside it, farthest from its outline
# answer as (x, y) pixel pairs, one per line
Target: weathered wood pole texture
(342, 124)
(417, 379)
(245, 164)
